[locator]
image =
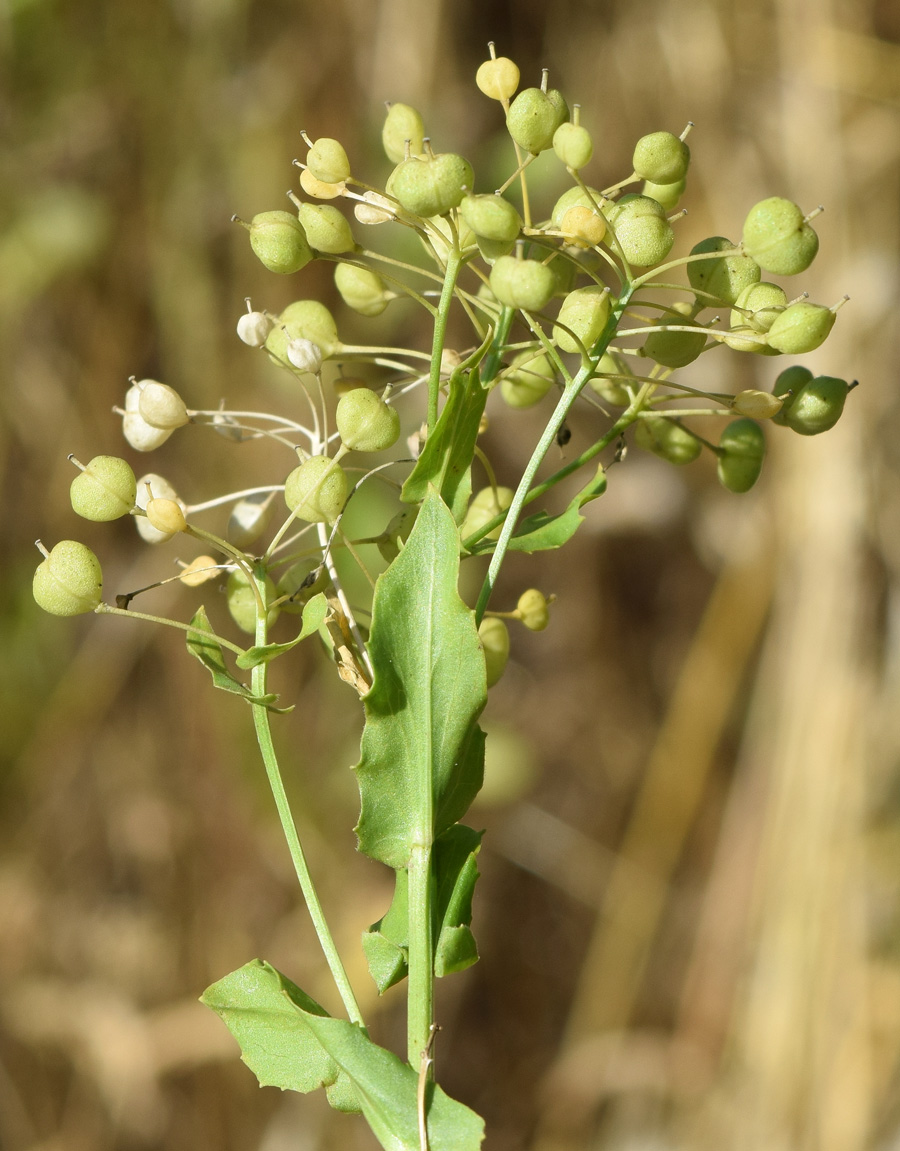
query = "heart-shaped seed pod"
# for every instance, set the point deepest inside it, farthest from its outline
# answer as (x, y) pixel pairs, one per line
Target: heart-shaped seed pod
(585, 311)
(525, 284)
(361, 289)
(494, 636)
(402, 126)
(817, 406)
(149, 486)
(305, 356)
(756, 404)
(641, 229)
(787, 386)
(533, 609)
(675, 349)
(666, 194)
(486, 504)
(249, 519)
(69, 581)
(533, 118)
(242, 602)
(777, 236)
(758, 306)
(166, 516)
(303, 320)
(582, 226)
(319, 189)
(573, 145)
(253, 328)
(497, 78)
(491, 217)
(366, 423)
(161, 406)
(661, 157)
(328, 161)
(433, 185)
(317, 490)
(801, 328)
(105, 490)
(143, 437)
(608, 383)
(279, 241)
(742, 448)
(530, 376)
(724, 278)
(576, 197)
(326, 228)
(666, 439)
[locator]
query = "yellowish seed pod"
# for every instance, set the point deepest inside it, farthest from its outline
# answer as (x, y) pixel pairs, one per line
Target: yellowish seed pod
(757, 405)
(583, 226)
(320, 189)
(498, 78)
(200, 570)
(166, 516)
(533, 609)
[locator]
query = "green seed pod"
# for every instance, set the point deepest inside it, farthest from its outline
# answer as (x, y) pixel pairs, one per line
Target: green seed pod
(494, 636)
(497, 78)
(724, 278)
(69, 581)
(491, 217)
(279, 241)
(817, 406)
(758, 306)
(166, 516)
(585, 227)
(152, 486)
(756, 404)
(661, 157)
(530, 377)
(642, 230)
(613, 391)
(666, 439)
(361, 289)
(533, 609)
(143, 437)
(585, 311)
(573, 145)
(433, 185)
(787, 386)
(666, 194)
(492, 250)
(533, 118)
(303, 320)
(241, 600)
(328, 161)
(317, 490)
(525, 284)
(326, 228)
(402, 125)
(105, 490)
(801, 328)
(778, 238)
(393, 538)
(161, 406)
(577, 197)
(485, 504)
(301, 582)
(366, 423)
(675, 349)
(742, 448)
(249, 519)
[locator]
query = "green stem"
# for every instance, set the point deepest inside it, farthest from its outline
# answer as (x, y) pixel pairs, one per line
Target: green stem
(420, 1001)
(454, 262)
(492, 359)
(310, 895)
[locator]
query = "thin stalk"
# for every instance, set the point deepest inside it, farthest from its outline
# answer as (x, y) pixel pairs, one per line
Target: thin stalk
(454, 262)
(420, 1001)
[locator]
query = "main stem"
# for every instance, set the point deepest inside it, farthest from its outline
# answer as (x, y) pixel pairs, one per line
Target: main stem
(420, 1002)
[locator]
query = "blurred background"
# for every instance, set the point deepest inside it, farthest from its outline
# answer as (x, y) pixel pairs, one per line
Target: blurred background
(689, 915)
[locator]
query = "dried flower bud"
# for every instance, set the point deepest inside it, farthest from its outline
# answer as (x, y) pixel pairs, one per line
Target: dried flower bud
(319, 189)
(142, 436)
(756, 404)
(377, 209)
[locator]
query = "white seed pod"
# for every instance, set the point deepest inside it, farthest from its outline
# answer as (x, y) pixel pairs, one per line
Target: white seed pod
(149, 487)
(305, 355)
(142, 436)
(249, 519)
(161, 406)
(253, 328)
(377, 209)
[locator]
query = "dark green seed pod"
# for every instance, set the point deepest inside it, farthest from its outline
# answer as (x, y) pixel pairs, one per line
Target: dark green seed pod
(530, 377)
(801, 328)
(641, 229)
(491, 217)
(361, 289)
(278, 239)
(675, 349)
(105, 490)
(433, 185)
(402, 124)
(724, 278)
(778, 238)
(69, 581)
(661, 157)
(326, 228)
(817, 406)
(758, 306)
(573, 145)
(317, 490)
(585, 311)
(303, 320)
(365, 422)
(328, 161)
(525, 284)
(788, 384)
(241, 600)
(742, 448)
(533, 118)
(666, 439)
(494, 636)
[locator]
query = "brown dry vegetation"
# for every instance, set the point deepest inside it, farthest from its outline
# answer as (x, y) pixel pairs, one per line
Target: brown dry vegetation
(690, 921)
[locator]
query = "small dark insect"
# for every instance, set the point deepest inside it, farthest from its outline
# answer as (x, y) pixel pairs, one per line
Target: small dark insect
(563, 435)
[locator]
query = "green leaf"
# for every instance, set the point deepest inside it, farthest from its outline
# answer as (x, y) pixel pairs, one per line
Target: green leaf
(290, 1042)
(446, 458)
(386, 942)
(209, 652)
(422, 751)
(313, 617)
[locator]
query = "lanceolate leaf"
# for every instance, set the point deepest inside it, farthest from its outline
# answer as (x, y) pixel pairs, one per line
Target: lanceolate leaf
(210, 654)
(422, 750)
(313, 617)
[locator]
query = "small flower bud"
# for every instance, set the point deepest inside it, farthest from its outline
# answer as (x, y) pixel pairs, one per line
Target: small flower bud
(742, 448)
(317, 490)
(361, 289)
(366, 423)
(494, 637)
(666, 439)
(199, 571)
(723, 278)
(402, 126)
(533, 118)
(104, 490)
(498, 78)
(661, 157)
(149, 486)
(166, 516)
(328, 161)
(526, 284)
(69, 581)
(777, 236)
(533, 609)
(278, 239)
(253, 328)
(305, 355)
(161, 406)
